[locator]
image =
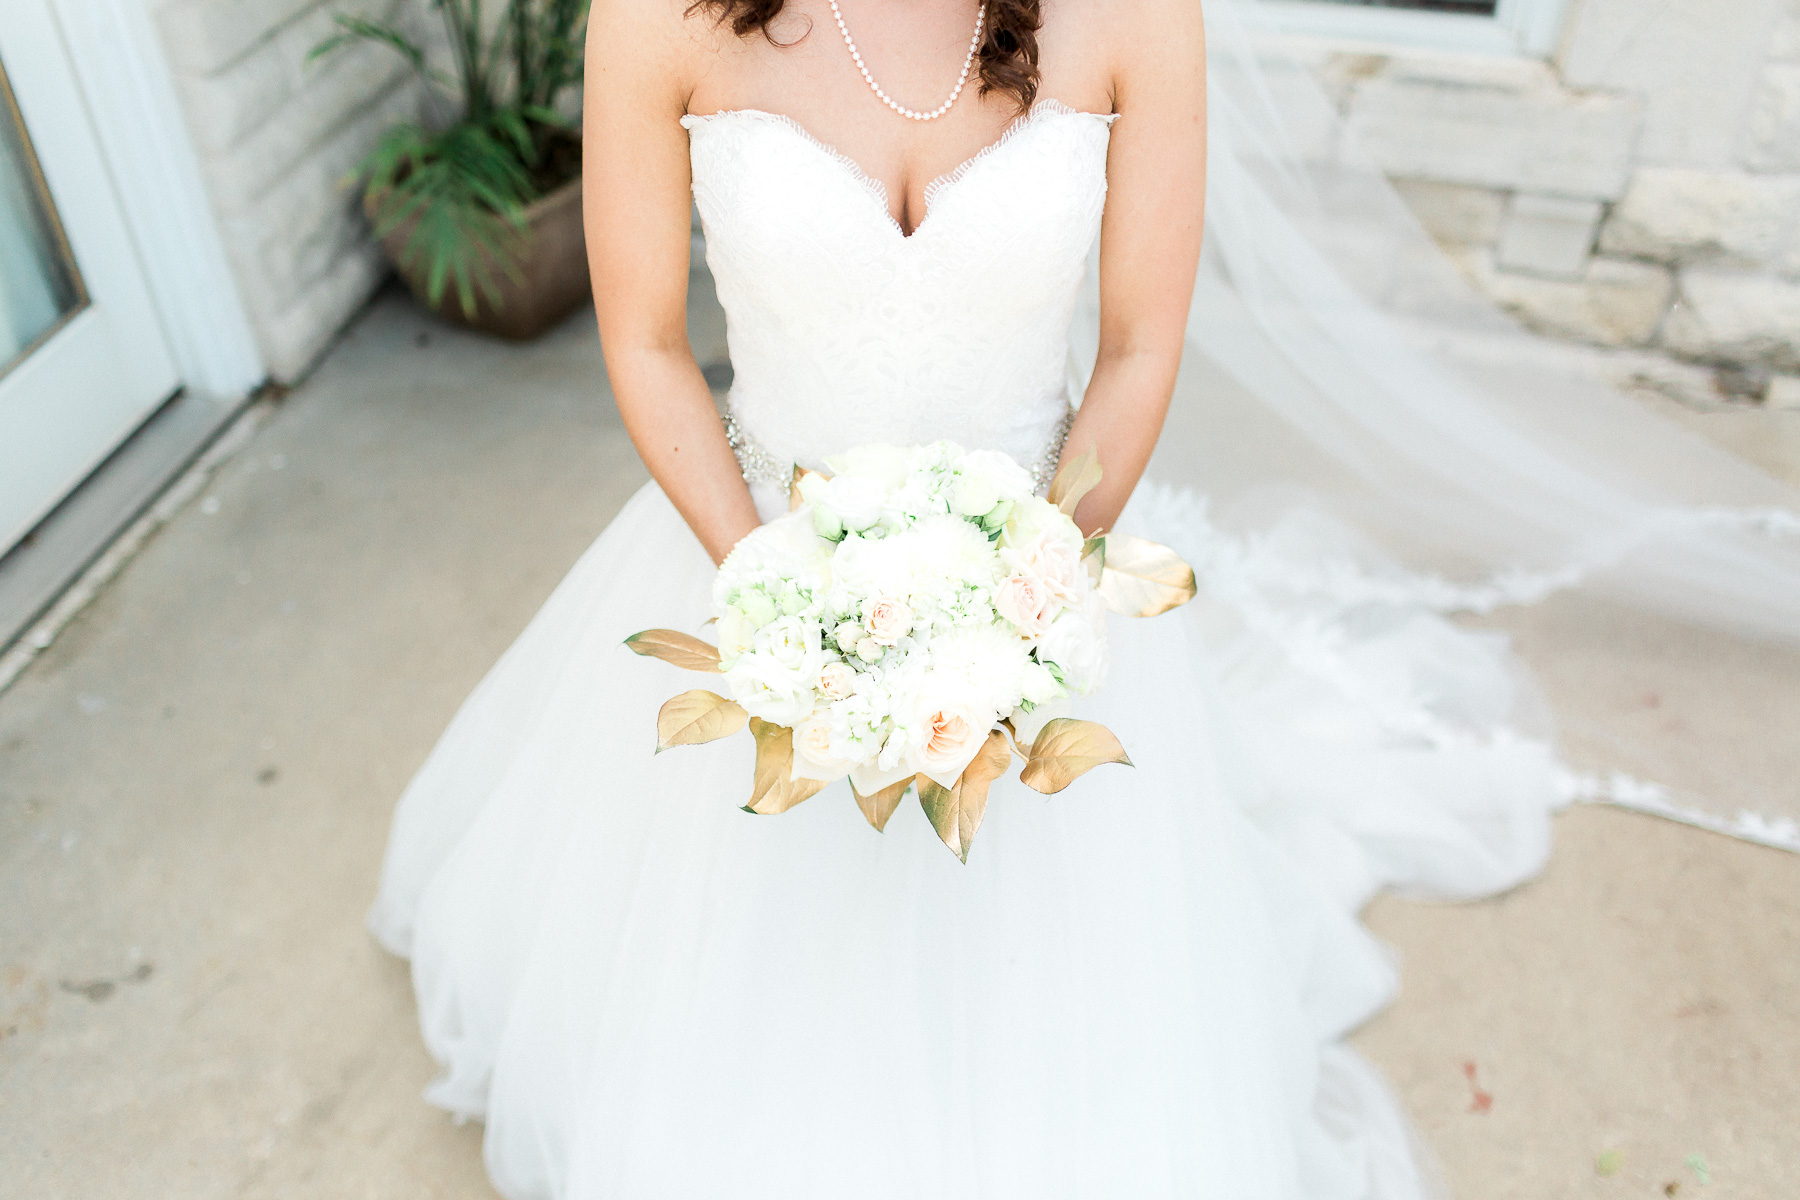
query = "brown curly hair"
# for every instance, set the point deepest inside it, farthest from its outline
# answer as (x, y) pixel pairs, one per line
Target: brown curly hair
(1008, 56)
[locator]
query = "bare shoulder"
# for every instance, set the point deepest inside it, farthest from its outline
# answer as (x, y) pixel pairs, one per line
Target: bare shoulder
(670, 42)
(1142, 25)
(1138, 40)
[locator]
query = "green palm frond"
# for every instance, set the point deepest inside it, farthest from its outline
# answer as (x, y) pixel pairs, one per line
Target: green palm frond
(463, 189)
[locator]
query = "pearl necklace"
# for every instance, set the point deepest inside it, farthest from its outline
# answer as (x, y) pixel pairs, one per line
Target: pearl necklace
(913, 114)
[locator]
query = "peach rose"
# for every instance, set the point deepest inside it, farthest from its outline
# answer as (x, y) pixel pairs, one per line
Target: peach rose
(836, 680)
(888, 621)
(953, 735)
(1026, 600)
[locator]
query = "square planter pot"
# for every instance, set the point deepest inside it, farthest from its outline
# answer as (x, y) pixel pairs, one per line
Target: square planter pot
(553, 273)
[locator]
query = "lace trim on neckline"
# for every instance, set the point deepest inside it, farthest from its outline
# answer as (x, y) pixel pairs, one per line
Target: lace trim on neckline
(1043, 108)
(876, 188)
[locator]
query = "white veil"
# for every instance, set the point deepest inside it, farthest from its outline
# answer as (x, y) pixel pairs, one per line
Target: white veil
(1338, 363)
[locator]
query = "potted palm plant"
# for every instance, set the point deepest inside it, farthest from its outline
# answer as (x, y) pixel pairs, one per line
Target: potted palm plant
(479, 206)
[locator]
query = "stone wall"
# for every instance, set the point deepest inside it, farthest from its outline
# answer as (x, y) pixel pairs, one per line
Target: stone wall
(1642, 188)
(276, 137)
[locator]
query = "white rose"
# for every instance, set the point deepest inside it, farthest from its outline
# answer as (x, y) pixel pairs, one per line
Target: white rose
(768, 690)
(1076, 643)
(1010, 480)
(869, 649)
(1035, 517)
(736, 634)
(837, 680)
(794, 643)
(857, 501)
(1037, 686)
(814, 756)
(973, 496)
(814, 487)
(847, 635)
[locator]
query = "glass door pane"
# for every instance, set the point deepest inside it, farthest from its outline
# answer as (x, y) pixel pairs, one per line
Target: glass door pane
(40, 286)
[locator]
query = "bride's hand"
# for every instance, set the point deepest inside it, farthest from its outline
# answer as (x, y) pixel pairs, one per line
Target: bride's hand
(635, 201)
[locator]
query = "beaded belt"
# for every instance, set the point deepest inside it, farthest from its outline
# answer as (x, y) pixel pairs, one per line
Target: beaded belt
(760, 466)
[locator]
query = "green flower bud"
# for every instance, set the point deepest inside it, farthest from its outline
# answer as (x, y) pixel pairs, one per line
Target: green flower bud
(759, 610)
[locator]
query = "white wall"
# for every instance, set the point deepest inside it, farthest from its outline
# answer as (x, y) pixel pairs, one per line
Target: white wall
(275, 137)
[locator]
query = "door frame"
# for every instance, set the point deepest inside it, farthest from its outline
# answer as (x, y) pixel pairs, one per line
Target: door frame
(149, 162)
(132, 104)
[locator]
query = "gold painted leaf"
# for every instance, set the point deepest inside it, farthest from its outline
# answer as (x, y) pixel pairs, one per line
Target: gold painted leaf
(939, 803)
(1075, 479)
(773, 789)
(879, 807)
(989, 764)
(1067, 749)
(1143, 578)
(672, 646)
(956, 812)
(695, 717)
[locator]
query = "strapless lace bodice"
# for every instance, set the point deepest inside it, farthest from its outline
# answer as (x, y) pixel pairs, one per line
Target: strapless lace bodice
(845, 330)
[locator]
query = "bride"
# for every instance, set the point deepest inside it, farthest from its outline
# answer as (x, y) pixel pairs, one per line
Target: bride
(1136, 989)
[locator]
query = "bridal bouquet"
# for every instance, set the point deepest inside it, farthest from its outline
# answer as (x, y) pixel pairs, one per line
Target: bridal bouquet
(917, 618)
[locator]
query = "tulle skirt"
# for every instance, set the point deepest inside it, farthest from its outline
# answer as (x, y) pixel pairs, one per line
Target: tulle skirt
(1133, 990)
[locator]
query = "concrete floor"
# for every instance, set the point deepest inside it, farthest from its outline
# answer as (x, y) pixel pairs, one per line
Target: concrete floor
(196, 781)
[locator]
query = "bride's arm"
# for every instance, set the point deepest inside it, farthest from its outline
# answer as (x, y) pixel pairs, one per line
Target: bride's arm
(1149, 243)
(635, 188)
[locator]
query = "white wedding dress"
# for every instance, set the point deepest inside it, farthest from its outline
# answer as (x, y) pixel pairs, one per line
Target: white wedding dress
(1136, 989)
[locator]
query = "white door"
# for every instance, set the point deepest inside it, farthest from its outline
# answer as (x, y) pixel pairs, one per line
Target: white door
(83, 359)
